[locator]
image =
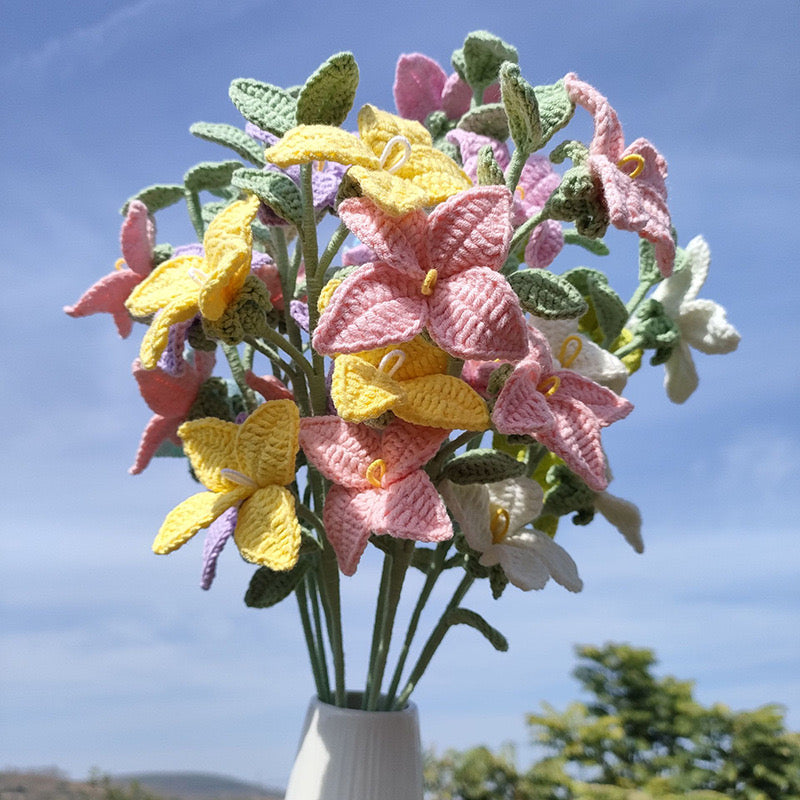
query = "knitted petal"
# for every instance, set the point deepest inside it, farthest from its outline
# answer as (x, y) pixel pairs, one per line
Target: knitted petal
(435, 173)
(521, 497)
(228, 245)
(521, 407)
(155, 339)
(377, 127)
(522, 566)
(156, 431)
(373, 307)
(340, 450)
(346, 516)
(470, 144)
(624, 516)
(476, 315)
(194, 513)
(680, 374)
(704, 325)
(267, 531)
(406, 448)
(210, 445)
(546, 242)
(528, 553)
(699, 257)
(360, 391)
(418, 86)
(267, 443)
(108, 295)
(391, 193)
(138, 238)
(397, 241)
(606, 406)
(268, 386)
(169, 281)
(167, 394)
(307, 143)
(608, 138)
(411, 509)
(220, 530)
(469, 505)
(442, 401)
(469, 230)
(456, 97)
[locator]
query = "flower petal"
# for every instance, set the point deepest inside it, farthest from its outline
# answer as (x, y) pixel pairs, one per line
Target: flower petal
(307, 143)
(520, 406)
(210, 445)
(411, 509)
(155, 340)
(220, 530)
(376, 127)
(406, 448)
(469, 505)
(167, 282)
(442, 401)
(360, 391)
(267, 443)
(267, 531)
(388, 191)
(434, 173)
(138, 238)
(346, 516)
(108, 295)
(156, 431)
(704, 325)
(521, 497)
(418, 86)
(680, 374)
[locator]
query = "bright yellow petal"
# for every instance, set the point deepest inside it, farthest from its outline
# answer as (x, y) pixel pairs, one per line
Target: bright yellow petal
(155, 340)
(194, 513)
(376, 127)
(210, 445)
(307, 143)
(390, 193)
(267, 443)
(434, 173)
(360, 391)
(443, 401)
(228, 246)
(422, 358)
(167, 282)
(267, 531)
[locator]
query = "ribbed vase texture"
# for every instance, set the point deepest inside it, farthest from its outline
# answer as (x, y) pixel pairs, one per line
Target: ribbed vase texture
(350, 754)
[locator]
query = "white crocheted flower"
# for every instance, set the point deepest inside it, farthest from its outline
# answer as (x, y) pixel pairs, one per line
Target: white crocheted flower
(492, 517)
(702, 323)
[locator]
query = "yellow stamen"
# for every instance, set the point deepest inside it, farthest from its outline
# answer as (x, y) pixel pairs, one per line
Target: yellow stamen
(387, 151)
(119, 263)
(399, 358)
(234, 476)
(570, 349)
(429, 283)
(521, 192)
(549, 386)
(499, 524)
(632, 158)
(375, 472)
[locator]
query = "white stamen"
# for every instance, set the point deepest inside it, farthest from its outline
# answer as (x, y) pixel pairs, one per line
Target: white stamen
(197, 275)
(387, 151)
(234, 476)
(400, 357)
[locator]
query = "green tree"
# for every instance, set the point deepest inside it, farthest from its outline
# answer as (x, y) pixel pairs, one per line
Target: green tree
(638, 737)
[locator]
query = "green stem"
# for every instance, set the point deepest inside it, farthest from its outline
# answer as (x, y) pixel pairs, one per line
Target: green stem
(311, 642)
(238, 372)
(514, 170)
(337, 240)
(377, 626)
(434, 640)
(524, 231)
(195, 209)
(435, 569)
(641, 292)
(273, 337)
(314, 591)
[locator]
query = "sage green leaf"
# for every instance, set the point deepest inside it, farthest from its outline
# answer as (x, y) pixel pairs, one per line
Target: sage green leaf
(271, 108)
(567, 494)
(487, 120)
(422, 558)
(463, 616)
(232, 137)
(328, 95)
(275, 189)
(268, 587)
(482, 465)
(522, 109)
(210, 175)
(156, 197)
(609, 310)
(478, 61)
(161, 252)
(547, 295)
(555, 109)
(490, 173)
(596, 246)
(579, 199)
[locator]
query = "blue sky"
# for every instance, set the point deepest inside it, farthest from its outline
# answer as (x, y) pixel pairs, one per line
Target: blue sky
(113, 657)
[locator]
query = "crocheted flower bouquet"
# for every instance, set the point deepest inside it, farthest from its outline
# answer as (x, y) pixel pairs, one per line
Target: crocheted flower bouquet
(426, 383)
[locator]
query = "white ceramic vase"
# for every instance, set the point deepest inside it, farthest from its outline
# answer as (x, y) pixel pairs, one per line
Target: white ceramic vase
(350, 754)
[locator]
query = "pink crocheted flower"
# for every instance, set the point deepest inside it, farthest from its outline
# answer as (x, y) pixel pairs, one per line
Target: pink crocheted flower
(536, 183)
(561, 409)
(170, 397)
(438, 272)
(379, 486)
(137, 239)
(633, 178)
(422, 86)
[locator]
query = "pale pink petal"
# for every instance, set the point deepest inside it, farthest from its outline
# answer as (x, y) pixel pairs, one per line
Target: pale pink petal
(520, 406)
(456, 97)
(157, 430)
(476, 315)
(268, 386)
(407, 447)
(167, 394)
(138, 238)
(347, 518)
(470, 229)
(546, 242)
(470, 144)
(341, 451)
(607, 406)
(375, 306)
(108, 296)
(418, 85)
(608, 139)
(411, 509)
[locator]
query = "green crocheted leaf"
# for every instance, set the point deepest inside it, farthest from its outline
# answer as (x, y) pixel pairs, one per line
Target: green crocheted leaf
(232, 137)
(489, 171)
(482, 465)
(547, 295)
(596, 246)
(487, 120)
(210, 175)
(271, 108)
(522, 109)
(567, 493)
(275, 189)
(268, 587)
(555, 109)
(156, 197)
(328, 95)
(463, 616)
(608, 309)
(422, 558)
(478, 61)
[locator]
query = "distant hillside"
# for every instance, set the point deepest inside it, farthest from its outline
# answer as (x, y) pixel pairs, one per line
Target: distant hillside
(53, 785)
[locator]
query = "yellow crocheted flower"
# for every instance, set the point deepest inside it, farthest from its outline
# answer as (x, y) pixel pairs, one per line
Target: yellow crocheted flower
(409, 379)
(177, 289)
(248, 465)
(393, 162)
